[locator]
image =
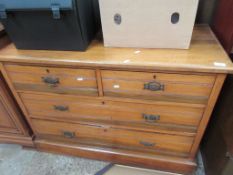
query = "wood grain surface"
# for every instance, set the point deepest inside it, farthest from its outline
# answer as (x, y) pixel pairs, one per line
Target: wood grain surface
(205, 55)
(120, 156)
(177, 87)
(100, 99)
(69, 81)
(114, 137)
(172, 117)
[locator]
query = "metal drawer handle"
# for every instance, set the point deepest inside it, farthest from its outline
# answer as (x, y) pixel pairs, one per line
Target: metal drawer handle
(147, 144)
(51, 81)
(61, 108)
(151, 118)
(154, 86)
(68, 134)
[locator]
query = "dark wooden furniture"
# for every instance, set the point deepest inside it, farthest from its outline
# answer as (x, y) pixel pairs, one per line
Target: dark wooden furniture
(223, 24)
(140, 107)
(217, 145)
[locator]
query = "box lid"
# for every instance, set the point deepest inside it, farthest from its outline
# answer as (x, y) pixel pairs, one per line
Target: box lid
(34, 4)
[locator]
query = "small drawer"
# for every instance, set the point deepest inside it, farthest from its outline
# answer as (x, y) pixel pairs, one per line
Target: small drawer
(55, 80)
(158, 86)
(64, 107)
(112, 137)
(144, 116)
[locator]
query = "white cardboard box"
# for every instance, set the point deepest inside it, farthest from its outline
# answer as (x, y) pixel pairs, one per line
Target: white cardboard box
(148, 23)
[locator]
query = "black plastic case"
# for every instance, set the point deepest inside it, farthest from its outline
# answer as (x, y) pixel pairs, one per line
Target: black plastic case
(49, 24)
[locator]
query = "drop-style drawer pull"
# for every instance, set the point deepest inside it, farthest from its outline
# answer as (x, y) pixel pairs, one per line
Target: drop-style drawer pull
(151, 118)
(147, 144)
(68, 134)
(61, 108)
(51, 81)
(154, 86)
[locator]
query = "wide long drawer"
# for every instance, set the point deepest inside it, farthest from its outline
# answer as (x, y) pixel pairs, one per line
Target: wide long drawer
(55, 80)
(158, 86)
(113, 137)
(149, 116)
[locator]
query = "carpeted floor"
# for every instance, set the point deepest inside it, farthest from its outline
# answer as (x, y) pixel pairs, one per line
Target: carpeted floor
(17, 161)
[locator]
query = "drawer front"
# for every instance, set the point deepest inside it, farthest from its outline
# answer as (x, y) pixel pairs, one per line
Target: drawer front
(114, 137)
(148, 115)
(158, 86)
(55, 80)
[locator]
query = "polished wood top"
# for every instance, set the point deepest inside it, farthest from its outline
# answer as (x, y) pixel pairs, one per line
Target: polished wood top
(204, 55)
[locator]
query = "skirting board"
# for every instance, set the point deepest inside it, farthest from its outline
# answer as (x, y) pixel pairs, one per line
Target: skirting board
(124, 157)
(15, 139)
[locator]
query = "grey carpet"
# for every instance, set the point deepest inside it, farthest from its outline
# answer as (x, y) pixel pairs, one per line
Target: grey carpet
(17, 161)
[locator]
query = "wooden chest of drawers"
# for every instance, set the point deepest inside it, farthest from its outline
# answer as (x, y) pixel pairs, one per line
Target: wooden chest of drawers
(141, 107)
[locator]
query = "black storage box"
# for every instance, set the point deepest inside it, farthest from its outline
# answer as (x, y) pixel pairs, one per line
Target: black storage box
(49, 24)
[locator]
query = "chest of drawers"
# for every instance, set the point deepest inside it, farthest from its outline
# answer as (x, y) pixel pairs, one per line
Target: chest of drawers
(140, 107)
